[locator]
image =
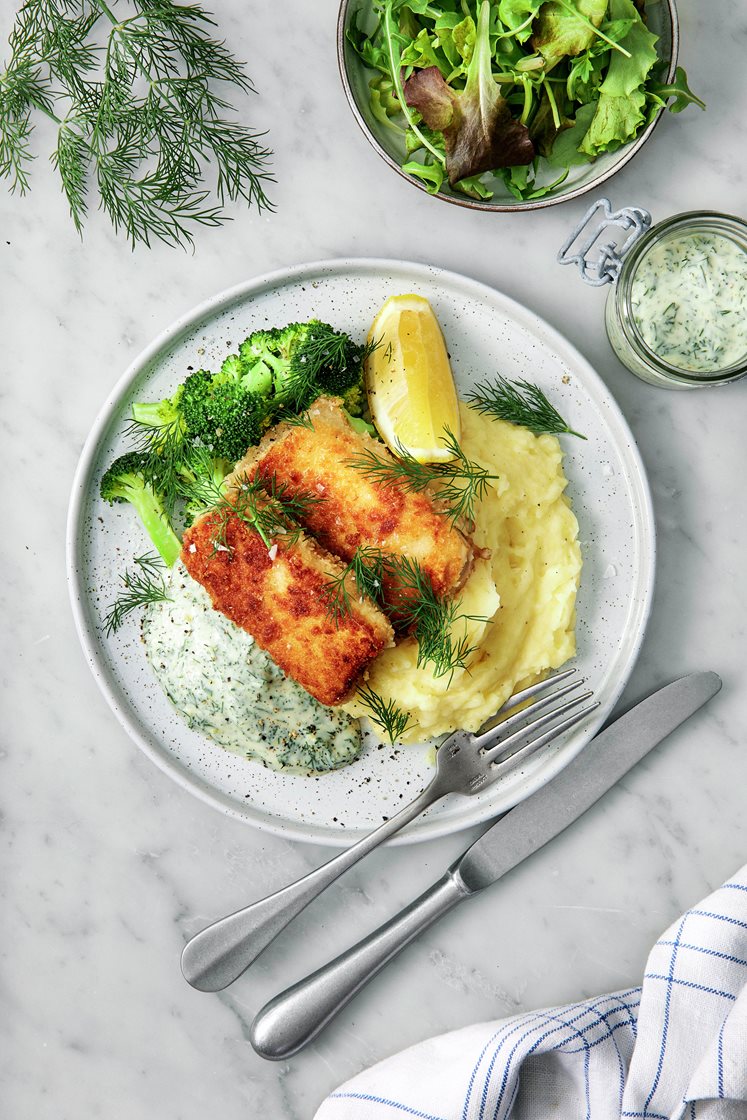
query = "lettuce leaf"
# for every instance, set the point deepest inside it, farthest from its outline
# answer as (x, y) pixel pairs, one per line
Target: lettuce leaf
(479, 132)
(565, 28)
(565, 151)
(515, 14)
(620, 110)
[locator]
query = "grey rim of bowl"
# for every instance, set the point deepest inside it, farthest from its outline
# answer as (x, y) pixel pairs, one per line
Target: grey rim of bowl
(475, 204)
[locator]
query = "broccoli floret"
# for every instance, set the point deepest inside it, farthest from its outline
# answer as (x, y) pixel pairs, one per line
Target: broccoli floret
(305, 360)
(257, 378)
(222, 413)
(278, 371)
(161, 414)
(201, 481)
(354, 400)
(125, 481)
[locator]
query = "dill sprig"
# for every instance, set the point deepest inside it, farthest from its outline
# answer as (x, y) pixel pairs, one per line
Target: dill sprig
(458, 482)
(430, 619)
(384, 713)
(138, 95)
(368, 568)
(401, 584)
(165, 448)
(263, 504)
(519, 402)
(143, 586)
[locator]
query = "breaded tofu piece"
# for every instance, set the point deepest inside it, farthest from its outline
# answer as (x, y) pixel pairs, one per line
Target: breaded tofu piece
(354, 510)
(278, 597)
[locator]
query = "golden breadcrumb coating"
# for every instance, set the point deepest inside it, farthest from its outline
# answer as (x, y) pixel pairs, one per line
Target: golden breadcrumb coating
(356, 511)
(278, 596)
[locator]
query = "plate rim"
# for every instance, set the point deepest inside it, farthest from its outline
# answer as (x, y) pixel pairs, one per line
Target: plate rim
(433, 827)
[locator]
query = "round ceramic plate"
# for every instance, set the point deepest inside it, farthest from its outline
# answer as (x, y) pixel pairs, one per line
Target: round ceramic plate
(487, 334)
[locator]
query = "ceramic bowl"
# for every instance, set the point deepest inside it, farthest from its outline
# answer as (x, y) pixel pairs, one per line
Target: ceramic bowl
(662, 20)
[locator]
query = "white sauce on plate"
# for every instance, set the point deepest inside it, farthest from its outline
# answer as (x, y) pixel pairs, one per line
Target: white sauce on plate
(226, 687)
(689, 301)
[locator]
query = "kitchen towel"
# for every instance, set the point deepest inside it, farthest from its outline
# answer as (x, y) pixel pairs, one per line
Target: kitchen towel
(673, 1049)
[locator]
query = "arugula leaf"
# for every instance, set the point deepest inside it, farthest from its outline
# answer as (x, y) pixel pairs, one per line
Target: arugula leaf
(563, 28)
(679, 89)
(620, 108)
(479, 132)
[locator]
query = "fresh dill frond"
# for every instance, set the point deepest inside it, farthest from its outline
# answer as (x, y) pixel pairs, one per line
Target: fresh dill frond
(143, 586)
(413, 602)
(429, 618)
(519, 402)
(459, 482)
(138, 94)
(392, 720)
(263, 504)
(296, 419)
(367, 568)
(165, 449)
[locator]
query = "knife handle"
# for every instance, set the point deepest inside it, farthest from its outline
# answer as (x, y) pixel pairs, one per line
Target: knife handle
(292, 1019)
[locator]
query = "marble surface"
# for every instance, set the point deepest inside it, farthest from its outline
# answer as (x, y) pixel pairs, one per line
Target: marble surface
(107, 867)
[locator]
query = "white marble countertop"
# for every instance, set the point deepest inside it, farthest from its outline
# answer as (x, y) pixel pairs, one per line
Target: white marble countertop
(107, 866)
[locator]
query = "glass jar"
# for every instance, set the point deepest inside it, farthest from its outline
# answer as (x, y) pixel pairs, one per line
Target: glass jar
(677, 316)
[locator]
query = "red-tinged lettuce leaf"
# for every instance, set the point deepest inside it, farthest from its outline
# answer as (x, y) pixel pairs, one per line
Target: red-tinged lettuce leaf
(564, 28)
(479, 132)
(620, 110)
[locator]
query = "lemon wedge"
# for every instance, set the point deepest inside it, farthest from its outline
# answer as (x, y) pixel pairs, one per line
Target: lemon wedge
(410, 386)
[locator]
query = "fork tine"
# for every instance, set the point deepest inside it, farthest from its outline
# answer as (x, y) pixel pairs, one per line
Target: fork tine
(503, 746)
(532, 690)
(542, 740)
(508, 724)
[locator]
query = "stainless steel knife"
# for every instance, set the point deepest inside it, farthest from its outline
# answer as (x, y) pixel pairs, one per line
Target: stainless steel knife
(295, 1017)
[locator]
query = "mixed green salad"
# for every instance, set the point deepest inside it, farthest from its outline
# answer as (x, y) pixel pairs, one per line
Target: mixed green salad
(514, 92)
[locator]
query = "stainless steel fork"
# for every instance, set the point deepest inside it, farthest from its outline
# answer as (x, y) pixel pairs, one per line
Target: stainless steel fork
(465, 763)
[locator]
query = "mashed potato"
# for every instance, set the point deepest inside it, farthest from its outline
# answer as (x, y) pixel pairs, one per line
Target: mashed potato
(526, 590)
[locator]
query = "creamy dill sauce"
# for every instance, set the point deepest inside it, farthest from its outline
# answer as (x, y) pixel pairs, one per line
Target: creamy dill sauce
(689, 301)
(227, 688)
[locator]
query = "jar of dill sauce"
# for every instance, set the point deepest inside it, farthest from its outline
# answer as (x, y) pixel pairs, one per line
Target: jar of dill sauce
(677, 314)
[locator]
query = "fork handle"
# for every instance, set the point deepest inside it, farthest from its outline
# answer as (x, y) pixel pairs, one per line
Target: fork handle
(295, 1017)
(218, 954)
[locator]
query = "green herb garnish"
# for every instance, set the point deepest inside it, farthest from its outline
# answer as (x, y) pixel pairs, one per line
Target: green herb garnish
(459, 482)
(519, 402)
(138, 94)
(400, 585)
(143, 586)
(368, 568)
(262, 504)
(384, 713)
(429, 618)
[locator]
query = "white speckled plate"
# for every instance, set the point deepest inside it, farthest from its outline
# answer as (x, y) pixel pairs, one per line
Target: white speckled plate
(487, 333)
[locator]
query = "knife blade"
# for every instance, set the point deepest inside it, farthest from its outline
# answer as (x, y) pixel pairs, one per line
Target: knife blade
(292, 1019)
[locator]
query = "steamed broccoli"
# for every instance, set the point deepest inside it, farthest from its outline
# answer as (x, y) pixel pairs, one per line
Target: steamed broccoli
(305, 361)
(277, 372)
(222, 412)
(127, 480)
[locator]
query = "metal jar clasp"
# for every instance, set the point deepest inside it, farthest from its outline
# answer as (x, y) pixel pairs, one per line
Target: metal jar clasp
(601, 263)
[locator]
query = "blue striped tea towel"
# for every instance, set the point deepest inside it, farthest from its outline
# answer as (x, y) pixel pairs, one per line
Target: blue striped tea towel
(673, 1049)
